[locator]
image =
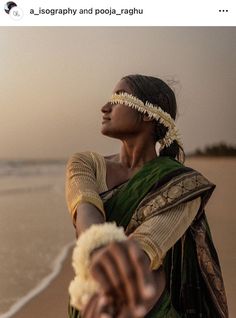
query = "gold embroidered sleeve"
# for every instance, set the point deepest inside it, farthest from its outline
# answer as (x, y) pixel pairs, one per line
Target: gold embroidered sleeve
(84, 181)
(159, 233)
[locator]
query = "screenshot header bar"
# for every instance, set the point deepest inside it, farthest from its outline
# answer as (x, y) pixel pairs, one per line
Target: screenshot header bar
(118, 13)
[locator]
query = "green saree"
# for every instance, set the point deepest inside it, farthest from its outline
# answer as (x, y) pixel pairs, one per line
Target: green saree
(194, 286)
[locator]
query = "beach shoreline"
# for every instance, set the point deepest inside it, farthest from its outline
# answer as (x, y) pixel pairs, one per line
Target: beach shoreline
(53, 300)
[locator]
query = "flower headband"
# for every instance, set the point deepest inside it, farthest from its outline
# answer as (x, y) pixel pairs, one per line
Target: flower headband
(152, 111)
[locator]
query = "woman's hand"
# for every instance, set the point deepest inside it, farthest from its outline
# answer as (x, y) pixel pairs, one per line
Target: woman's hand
(101, 306)
(128, 285)
(98, 308)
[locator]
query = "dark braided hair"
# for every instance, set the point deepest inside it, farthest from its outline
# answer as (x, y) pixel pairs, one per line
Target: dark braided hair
(157, 92)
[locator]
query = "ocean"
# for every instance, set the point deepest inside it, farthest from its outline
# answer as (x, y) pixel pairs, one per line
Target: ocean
(35, 229)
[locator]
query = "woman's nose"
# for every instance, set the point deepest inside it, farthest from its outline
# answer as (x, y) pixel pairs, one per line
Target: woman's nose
(106, 108)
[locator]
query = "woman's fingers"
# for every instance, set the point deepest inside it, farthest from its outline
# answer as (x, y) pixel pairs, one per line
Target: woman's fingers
(139, 281)
(123, 273)
(99, 306)
(113, 270)
(106, 305)
(89, 310)
(105, 270)
(145, 278)
(125, 313)
(127, 274)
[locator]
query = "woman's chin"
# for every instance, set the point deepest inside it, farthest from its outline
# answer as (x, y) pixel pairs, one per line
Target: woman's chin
(104, 130)
(107, 132)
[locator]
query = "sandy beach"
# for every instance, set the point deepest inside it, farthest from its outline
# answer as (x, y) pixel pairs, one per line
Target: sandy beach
(52, 302)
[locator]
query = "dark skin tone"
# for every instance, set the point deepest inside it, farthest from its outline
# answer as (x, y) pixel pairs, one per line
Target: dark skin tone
(128, 287)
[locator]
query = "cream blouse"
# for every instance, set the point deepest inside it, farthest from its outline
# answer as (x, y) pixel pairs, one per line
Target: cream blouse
(156, 232)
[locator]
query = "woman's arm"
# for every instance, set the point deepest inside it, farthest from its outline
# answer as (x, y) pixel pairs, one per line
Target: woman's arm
(86, 208)
(160, 231)
(87, 214)
(83, 185)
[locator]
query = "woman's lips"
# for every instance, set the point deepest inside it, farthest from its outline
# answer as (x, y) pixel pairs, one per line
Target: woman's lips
(105, 119)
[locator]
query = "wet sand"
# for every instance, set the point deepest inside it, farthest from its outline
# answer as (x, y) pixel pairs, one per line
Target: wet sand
(52, 302)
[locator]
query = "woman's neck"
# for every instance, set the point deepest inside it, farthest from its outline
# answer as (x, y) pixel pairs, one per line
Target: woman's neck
(135, 155)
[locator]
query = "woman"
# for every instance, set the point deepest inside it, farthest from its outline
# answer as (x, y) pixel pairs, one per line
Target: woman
(168, 266)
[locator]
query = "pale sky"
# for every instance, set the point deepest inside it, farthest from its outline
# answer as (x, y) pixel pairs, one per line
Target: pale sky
(53, 82)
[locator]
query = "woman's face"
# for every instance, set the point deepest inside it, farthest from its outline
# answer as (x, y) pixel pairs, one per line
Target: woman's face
(120, 121)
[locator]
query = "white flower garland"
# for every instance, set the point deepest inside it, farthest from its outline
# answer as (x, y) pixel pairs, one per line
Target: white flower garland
(153, 111)
(83, 286)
